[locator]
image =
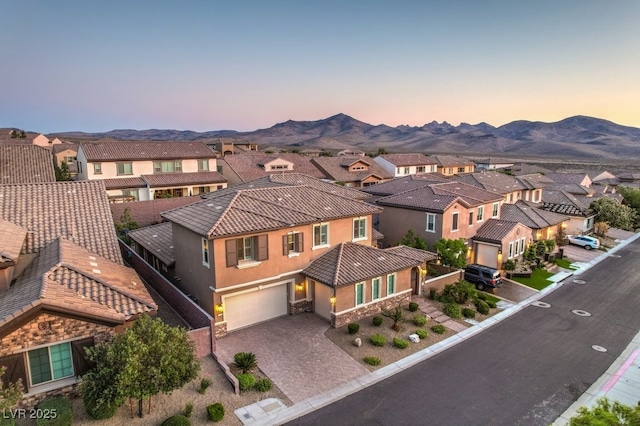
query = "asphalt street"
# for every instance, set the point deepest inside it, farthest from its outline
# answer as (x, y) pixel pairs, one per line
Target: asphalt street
(526, 370)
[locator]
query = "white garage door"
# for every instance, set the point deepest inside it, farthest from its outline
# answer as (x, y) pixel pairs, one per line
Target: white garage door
(255, 306)
(487, 255)
(322, 300)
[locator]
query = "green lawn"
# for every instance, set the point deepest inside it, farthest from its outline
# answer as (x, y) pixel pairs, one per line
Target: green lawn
(538, 279)
(564, 263)
(491, 298)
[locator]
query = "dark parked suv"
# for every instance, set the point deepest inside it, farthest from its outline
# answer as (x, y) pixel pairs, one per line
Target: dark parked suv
(482, 276)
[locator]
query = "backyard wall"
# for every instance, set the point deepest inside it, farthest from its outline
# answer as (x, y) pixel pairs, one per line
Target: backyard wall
(449, 276)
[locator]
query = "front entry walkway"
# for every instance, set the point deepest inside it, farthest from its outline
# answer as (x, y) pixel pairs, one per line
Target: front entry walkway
(294, 353)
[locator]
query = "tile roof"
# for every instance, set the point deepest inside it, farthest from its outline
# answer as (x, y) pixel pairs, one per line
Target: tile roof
(572, 188)
(157, 240)
(250, 166)
(12, 240)
(407, 183)
(25, 164)
(451, 160)
(376, 235)
(530, 214)
(565, 203)
(78, 211)
(239, 211)
(172, 179)
(412, 253)
(494, 230)
(145, 150)
(526, 169)
(575, 178)
(348, 263)
(147, 213)
(499, 182)
(124, 183)
(64, 146)
(400, 160)
(335, 168)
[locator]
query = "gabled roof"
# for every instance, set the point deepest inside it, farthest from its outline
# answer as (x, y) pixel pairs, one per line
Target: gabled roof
(500, 182)
(565, 203)
(567, 178)
(145, 150)
(172, 179)
(157, 240)
(495, 230)
(240, 211)
(348, 263)
(406, 183)
(64, 146)
(336, 168)
(12, 240)
(401, 160)
(571, 188)
(451, 161)
(125, 183)
(249, 166)
(25, 164)
(147, 212)
(526, 169)
(531, 215)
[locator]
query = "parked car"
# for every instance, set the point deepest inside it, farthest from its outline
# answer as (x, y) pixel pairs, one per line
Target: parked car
(584, 241)
(482, 276)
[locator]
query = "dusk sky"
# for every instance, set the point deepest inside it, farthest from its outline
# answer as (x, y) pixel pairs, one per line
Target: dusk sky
(243, 65)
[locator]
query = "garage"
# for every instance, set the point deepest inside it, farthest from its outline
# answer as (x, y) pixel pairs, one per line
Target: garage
(256, 305)
(487, 255)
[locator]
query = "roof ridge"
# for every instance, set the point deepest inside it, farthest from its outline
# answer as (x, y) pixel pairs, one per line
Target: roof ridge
(223, 214)
(337, 272)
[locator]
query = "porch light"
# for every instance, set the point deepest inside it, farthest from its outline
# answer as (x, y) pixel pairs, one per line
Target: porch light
(219, 309)
(299, 286)
(499, 251)
(332, 299)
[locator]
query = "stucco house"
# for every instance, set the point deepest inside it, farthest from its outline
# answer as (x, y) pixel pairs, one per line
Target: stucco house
(142, 170)
(512, 188)
(544, 224)
(576, 207)
(399, 165)
(247, 167)
(352, 171)
(63, 283)
(450, 165)
(67, 153)
(497, 241)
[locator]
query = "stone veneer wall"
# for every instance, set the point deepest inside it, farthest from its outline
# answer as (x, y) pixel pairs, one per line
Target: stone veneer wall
(340, 319)
(300, 306)
(220, 330)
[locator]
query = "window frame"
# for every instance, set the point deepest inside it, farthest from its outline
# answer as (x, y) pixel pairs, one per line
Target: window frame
(206, 260)
(421, 169)
(480, 214)
(97, 168)
(201, 163)
(391, 284)
(124, 165)
(495, 212)
(175, 166)
(471, 216)
(292, 243)
(246, 247)
(320, 243)
(455, 221)
(362, 287)
(433, 216)
(376, 283)
(362, 229)
(510, 250)
(50, 360)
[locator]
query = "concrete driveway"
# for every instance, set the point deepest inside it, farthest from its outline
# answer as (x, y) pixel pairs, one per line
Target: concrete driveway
(294, 353)
(580, 254)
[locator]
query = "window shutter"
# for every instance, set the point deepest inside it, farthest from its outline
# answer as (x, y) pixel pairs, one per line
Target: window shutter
(299, 242)
(80, 362)
(285, 244)
(263, 248)
(232, 254)
(16, 370)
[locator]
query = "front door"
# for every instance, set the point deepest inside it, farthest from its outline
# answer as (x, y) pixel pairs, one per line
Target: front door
(415, 280)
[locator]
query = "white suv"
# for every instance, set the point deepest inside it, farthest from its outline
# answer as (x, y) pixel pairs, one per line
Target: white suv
(584, 241)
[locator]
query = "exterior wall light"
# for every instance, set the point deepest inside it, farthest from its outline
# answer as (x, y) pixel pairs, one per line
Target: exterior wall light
(332, 299)
(219, 308)
(299, 286)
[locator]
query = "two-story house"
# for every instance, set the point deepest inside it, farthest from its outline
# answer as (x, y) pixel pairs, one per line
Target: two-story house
(137, 171)
(399, 165)
(450, 165)
(248, 167)
(512, 188)
(358, 171)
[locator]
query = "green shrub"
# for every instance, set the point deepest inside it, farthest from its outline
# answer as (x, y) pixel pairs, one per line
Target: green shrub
(177, 420)
(215, 412)
(413, 306)
(492, 304)
(419, 320)
(372, 360)
(245, 361)
(263, 385)
(400, 343)
(188, 409)
(453, 310)
(7, 422)
(99, 410)
(433, 293)
(482, 296)
(378, 340)
(468, 313)
(461, 291)
(509, 265)
(204, 384)
(482, 307)
(438, 329)
(377, 321)
(422, 334)
(62, 409)
(246, 381)
(353, 327)
(445, 298)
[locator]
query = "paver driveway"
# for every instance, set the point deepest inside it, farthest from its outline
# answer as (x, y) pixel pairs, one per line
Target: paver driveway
(294, 353)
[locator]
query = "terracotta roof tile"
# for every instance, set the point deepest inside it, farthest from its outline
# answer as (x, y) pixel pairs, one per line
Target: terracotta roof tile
(25, 164)
(335, 168)
(12, 240)
(147, 213)
(172, 179)
(145, 150)
(451, 160)
(407, 183)
(400, 160)
(157, 240)
(249, 166)
(494, 230)
(124, 183)
(530, 214)
(499, 182)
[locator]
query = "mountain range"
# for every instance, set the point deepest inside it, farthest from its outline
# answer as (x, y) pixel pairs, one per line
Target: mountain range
(574, 137)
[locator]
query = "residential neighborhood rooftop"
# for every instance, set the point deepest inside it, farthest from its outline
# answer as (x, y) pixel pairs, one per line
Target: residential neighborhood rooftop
(530, 214)
(406, 183)
(400, 160)
(157, 240)
(25, 164)
(250, 166)
(145, 150)
(337, 168)
(494, 230)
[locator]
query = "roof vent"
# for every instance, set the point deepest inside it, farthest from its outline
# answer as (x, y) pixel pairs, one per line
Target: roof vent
(154, 236)
(96, 271)
(210, 205)
(218, 207)
(93, 264)
(381, 258)
(327, 208)
(357, 264)
(92, 257)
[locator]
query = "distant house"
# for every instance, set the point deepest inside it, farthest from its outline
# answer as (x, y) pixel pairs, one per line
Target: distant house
(25, 164)
(229, 148)
(399, 165)
(527, 169)
(44, 142)
(576, 207)
(543, 223)
(241, 168)
(492, 164)
(581, 179)
(450, 165)
(513, 188)
(497, 241)
(137, 171)
(351, 153)
(352, 171)
(67, 153)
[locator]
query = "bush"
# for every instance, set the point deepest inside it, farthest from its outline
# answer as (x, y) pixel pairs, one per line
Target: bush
(453, 310)
(245, 361)
(482, 307)
(188, 409)
(372, 360)
(482, 296)
(246, 381)
(263, 385)
(460, 291)
(215, 412)
(377, 321)
(438, 329)
(400, 343)
(422, 334)
(419, 320)
(177, 420)
(492, 304)
(99, 411)
(353, 327)
(509, 265)
(204, 384)
(62, 409)
(378, 340)
(433, 293)
(413, 306)
(468, 313)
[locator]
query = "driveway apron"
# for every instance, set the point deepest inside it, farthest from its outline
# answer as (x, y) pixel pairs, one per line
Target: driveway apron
(294, 353)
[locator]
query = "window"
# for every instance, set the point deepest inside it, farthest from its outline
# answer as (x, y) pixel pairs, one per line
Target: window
(292, 243)
(279, 167)
(511, 197)
(471, 218)
(124, 169)
(536, 196)
(203, 189)
(359, 294)
(391, 284)
(97, 168)
(496, 206)
(450, 170)
(321, 235)
(522, 243)
(359, 229)
(510, 250)
(407, 170)
(480, 215)
(454, 221)
(69, 160)
(398, 170)
(516, 248)
(203, 165)
(375, 288)
(460, 169)
(421, 169)
(131, 193)
(431, 222)
(205, 252)
(247, 250)
(357, 168)
(50, 363)
(79, 167)
(167, 166)
(434, 168)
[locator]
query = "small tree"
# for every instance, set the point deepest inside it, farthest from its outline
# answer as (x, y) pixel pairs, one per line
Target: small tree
(601, 229)
(561, 237)
(9, 395)
(125, 224)
(614, 214)
(607, 413)
(410, 239)
(452, 252)
(62, 173)
(397, 317)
